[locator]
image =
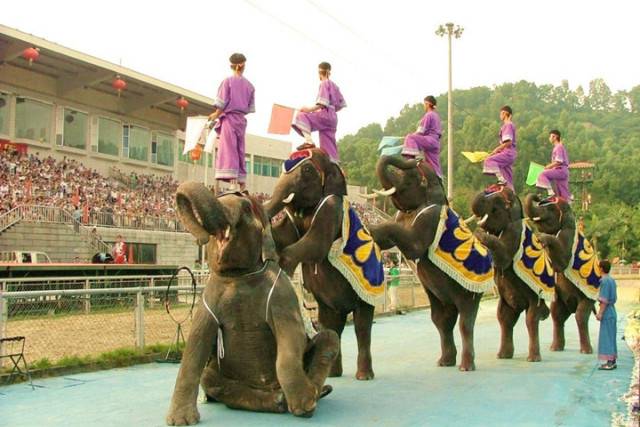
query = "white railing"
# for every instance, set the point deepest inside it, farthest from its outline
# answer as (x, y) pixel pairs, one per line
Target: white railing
(9, 218)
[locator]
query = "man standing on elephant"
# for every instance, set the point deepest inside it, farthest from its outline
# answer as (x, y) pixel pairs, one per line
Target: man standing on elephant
(235, 99)
(500, 161)
(556, 174)
(322, 116)
(426, 138)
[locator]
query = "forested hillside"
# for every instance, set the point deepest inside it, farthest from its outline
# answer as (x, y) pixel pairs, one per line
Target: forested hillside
(597, 125)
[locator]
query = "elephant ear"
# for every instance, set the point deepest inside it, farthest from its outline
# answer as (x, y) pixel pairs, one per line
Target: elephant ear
(334, 181)
(268, 244)
(568, 219)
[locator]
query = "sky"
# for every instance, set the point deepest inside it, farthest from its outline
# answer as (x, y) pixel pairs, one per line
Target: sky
(384, 55)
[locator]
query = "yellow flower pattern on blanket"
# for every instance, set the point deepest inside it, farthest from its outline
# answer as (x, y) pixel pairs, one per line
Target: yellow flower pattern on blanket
(364, 252)
(537, 252)
(587, 255)
(470, 241)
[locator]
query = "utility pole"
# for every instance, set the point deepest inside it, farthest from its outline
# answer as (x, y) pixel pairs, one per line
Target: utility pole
(451, 30)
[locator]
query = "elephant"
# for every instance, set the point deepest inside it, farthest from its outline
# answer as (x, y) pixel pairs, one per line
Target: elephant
(500, 228)
(418, 194)
(247, 347)
(311, 196)
(556, 223)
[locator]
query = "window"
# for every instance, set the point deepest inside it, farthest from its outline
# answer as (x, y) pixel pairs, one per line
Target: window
(182, 157)
(162, 147)
(257, 165)
(75, 129)
(143, 253)
(4, 114)
(33, 120)
(247, 164)
(276, 167)
(135, 142)
(109, 136)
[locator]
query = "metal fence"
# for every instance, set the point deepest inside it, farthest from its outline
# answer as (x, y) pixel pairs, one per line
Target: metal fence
(55, 214)
(80, 316)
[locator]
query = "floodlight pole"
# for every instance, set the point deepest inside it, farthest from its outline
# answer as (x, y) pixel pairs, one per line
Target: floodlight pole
(450, 30)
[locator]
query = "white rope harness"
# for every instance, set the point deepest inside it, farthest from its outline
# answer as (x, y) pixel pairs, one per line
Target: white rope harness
(220, 339)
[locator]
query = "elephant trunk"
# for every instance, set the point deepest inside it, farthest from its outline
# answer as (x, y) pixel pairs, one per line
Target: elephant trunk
(382, 169)
(201, 213)
(531, 208)
(282, 195)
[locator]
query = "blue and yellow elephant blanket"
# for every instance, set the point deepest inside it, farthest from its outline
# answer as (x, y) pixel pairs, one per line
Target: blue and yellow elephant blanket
(459, 254)
(358, 257)
(532, 265)
(584, 269)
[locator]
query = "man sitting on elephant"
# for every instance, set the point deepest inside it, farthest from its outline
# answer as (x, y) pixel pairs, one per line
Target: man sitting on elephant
(247, 347)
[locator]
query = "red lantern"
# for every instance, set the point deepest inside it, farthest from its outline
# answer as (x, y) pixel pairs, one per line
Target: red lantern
(31, 54)
(182, 103)
(196, 153)
(119, 85)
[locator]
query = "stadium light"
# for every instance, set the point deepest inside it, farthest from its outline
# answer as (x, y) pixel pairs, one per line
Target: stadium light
(451, 30)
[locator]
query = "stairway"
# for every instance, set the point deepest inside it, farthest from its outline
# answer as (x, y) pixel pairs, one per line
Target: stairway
(59, 241)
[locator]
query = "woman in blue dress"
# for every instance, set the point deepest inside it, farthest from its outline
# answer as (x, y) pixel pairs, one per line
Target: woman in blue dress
(607, 349)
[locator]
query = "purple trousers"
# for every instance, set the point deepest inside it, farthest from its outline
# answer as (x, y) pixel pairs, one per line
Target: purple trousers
(231, 147)
(325, 121)
(557, 180)
(501, 165)
(414, 143)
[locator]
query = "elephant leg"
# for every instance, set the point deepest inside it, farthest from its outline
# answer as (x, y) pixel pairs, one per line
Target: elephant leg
(362, 321)
(444, 317)
(321, 352)
(559, 315)
(533, 321)
(582, 319)
(334, 320)
(237, 395)
(507, 317)
(467, 324)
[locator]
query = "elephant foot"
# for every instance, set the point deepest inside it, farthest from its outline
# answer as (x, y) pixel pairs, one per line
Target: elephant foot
(467, 366)
(186, 415)
(534, 358)
(365, 375)
(447, 361)
(586, 350)
(336, 371)
(281, 403)
(505, 354)
(556, 347)
(326, 390)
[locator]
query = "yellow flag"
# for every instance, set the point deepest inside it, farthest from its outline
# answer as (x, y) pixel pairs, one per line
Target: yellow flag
(475, 156)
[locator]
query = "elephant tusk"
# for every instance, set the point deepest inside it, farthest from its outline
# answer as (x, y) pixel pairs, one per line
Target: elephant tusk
(470, 220)
(385, 192)
(227, 232)
(483, 220)
(289, 198)
(536, 218)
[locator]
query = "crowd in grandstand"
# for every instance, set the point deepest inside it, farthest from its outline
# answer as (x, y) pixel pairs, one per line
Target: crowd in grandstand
(28, 179)
(125, 200)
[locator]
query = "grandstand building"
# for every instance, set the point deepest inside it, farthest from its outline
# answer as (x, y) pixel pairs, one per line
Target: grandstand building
(76, 109)
(64, 103)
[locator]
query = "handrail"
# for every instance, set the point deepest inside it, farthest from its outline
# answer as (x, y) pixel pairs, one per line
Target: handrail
(14, 280)
(44, 213)
(9, 218)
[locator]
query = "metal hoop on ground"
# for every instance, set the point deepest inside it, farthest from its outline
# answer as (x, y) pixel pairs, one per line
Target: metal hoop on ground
(179, 336)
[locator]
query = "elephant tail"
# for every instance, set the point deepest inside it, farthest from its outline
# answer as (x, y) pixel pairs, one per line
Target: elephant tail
(543, 310)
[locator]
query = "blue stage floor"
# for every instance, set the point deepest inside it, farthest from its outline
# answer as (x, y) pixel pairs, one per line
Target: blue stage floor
(565, 389)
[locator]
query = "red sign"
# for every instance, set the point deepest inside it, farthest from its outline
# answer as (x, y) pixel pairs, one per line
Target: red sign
(5, 144)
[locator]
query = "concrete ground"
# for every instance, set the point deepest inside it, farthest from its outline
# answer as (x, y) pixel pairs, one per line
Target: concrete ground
(565, 389)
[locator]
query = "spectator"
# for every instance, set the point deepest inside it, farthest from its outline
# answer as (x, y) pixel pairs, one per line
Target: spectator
(119, 251)
(77, 216)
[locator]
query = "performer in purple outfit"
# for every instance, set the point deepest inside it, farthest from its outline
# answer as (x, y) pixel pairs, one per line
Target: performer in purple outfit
(322, 116)
(235, 99)
(555, 177)
(500, 162)
(427, 137)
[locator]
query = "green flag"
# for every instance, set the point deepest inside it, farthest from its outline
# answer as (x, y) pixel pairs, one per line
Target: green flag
(535, 169)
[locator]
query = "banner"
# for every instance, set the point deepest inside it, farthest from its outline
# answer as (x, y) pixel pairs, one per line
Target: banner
(535, 169)
(281, 119)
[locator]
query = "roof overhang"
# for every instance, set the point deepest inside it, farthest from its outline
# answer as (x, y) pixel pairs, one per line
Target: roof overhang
(75, 70)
